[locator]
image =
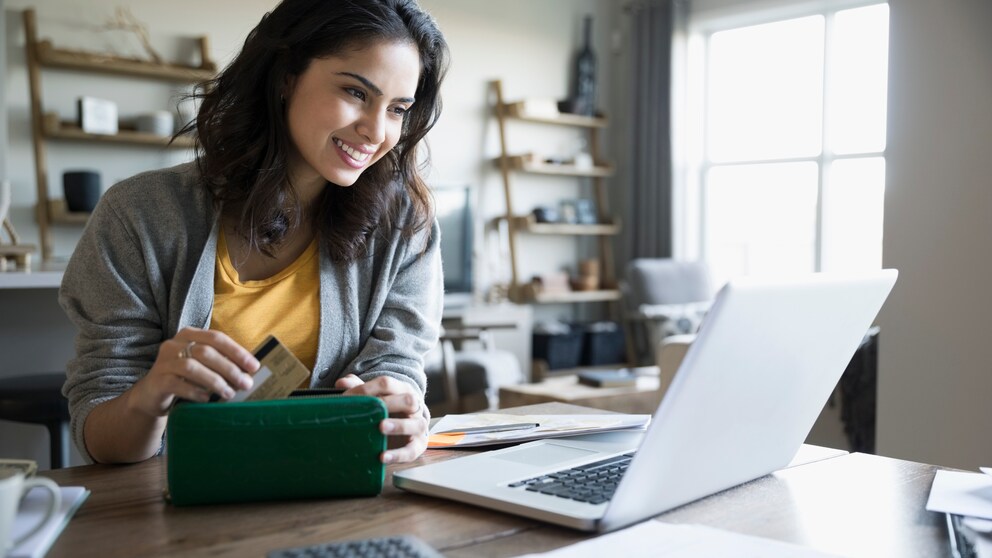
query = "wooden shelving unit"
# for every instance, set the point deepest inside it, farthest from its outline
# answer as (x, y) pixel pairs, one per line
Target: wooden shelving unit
(51, 57)
(53, 129)
(606, 226)
(528, 224)
(527, 163)
(42, 54)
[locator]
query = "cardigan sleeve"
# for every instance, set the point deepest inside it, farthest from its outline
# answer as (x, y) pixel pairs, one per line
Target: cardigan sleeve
(409, 320)
(107, 294)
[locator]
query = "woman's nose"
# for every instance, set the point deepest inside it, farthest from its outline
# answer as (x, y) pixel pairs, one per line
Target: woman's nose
(372, 126)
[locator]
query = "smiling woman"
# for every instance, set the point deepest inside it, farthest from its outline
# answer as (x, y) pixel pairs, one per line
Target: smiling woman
(304, 217)
(346, 112)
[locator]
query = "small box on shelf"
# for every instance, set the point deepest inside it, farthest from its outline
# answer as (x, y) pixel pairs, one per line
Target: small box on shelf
(97, 116)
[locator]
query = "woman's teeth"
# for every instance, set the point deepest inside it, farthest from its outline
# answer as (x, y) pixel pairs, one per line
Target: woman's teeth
(353, 153)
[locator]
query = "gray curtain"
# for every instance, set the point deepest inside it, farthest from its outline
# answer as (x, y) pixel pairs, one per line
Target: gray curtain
(647, 219)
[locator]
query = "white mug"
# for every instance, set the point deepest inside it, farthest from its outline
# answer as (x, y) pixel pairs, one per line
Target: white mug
(13, 487)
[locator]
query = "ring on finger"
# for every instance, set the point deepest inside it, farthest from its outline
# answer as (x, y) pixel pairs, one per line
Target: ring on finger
(187, 351)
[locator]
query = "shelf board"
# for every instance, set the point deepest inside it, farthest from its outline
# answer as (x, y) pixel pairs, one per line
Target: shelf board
(69, 131)
(518, 110)
(605, 295)
(60, 215)
(527, 163)
(527, 223)
(65, 59)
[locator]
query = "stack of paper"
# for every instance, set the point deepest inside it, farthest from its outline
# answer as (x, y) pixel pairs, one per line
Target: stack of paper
(487, 429)
(968, 495)
(654, 538)
(32, 510)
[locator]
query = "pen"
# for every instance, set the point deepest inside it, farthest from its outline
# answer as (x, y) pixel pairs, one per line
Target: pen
(492, 428)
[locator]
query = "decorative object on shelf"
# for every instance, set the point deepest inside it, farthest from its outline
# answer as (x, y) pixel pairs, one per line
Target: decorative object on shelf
(542, 108)
(19, 254)
(158, 123)
(583, 161)
(124, 20)
(549, 284)
(568, 212)
(583, 99)
(585, 212)
(588, 279)
(97, 116)
(82, 190)
(545, 214)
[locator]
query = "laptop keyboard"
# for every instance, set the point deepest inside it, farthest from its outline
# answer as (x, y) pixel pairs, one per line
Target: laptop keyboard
(401, 546)
(593, 482)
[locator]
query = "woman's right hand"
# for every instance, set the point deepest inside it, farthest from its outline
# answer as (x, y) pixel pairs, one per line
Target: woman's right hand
(193, 365)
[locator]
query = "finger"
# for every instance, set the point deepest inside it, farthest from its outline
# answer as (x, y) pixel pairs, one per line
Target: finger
(226, 346)
(348, 382)
(403, 427)
(188, 391)
(406, 404)
(384, 385)
(195, 373)
(406, 453)
(220, 364)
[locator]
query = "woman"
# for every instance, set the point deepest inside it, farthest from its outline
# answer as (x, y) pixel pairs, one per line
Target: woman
(304, 216)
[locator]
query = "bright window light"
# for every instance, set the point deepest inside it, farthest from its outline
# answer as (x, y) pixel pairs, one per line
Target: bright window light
(761, 219)
(858, 74)
(790, 169)
(766, 91)
(852, 214)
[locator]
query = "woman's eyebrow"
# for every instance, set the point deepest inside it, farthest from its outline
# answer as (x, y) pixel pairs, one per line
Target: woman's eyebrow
(375, 89)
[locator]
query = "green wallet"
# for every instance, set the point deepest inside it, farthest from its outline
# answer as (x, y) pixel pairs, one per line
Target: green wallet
(305, 447)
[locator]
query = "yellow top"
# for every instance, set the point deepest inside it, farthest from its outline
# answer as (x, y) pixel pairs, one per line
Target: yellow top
(286, 305)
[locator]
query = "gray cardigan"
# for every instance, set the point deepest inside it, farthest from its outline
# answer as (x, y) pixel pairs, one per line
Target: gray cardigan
(144, 269)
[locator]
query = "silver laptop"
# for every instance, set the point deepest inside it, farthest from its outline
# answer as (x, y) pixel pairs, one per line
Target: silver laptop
(765, 360)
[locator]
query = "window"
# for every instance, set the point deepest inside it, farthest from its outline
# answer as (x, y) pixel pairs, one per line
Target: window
(786, 137)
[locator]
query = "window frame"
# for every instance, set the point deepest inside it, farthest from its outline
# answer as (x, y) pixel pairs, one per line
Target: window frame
(690, 103)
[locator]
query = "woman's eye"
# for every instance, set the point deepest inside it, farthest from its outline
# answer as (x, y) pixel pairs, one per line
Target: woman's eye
(400, 111)
(356, 93)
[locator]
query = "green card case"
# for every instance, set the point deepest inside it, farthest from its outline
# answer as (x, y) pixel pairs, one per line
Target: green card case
(307, 447)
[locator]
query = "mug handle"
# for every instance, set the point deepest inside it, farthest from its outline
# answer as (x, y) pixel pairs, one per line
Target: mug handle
(54, 504)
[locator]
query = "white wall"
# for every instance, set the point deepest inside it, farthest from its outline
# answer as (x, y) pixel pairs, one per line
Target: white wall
(935, 351)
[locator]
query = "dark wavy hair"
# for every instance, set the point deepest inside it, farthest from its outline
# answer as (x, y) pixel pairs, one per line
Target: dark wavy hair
(243, 140)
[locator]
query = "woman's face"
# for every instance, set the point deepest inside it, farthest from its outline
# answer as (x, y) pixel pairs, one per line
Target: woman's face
(345, 112)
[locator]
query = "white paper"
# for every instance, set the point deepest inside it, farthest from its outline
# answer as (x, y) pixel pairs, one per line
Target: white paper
(32, 509)
(961, 494)
(986, 470)
(551, 426)
(655, 538)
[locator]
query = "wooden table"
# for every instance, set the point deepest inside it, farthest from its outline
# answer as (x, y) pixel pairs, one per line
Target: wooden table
(642, 398)
(854, 505)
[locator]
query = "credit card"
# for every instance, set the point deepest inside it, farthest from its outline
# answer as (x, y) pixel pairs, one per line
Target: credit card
(279, 375)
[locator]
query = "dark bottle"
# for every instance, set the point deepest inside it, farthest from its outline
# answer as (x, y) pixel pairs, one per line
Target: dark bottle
(584, 93)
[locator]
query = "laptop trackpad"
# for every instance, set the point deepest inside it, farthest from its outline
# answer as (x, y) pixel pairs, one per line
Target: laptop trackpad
(543, 455)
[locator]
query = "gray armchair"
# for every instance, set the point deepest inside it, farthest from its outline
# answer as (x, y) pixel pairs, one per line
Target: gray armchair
(466, 380)
(662, 297)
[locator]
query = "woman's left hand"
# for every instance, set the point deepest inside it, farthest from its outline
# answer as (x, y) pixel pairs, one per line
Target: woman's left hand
(408, 420)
